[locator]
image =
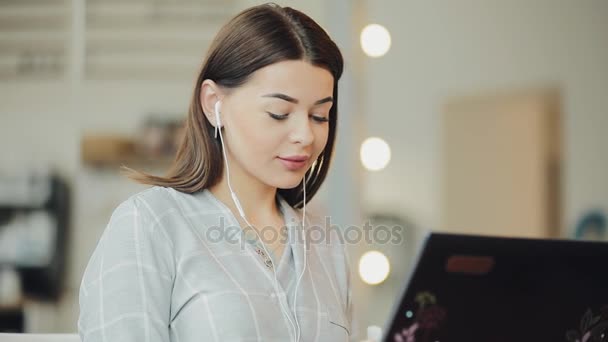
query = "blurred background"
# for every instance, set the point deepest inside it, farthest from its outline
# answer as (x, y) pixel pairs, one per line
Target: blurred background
(475, 116)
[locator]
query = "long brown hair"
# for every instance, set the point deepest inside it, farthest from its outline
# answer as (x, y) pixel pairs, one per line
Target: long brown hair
(257, 37)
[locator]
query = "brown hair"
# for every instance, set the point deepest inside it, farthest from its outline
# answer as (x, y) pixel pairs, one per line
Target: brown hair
(257, 37)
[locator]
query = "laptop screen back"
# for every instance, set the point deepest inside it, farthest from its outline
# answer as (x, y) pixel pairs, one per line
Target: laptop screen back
(471, 288)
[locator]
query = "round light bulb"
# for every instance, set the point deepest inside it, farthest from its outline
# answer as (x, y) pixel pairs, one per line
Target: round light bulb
(373, 267)
(375, 154)
(375, 40)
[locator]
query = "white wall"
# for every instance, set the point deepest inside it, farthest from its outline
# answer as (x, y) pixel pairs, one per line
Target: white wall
(448, 48)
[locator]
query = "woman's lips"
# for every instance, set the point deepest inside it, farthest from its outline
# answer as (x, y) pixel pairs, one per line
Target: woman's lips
(294, 163)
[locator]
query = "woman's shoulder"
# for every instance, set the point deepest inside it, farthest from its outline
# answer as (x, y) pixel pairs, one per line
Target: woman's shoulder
(157, 199)
(162, 217)
(162, 201)
(141, 210)
(145, 204)
(166, 209)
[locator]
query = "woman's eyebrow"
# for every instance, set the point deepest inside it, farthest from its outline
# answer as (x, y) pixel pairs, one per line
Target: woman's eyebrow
(292, 100)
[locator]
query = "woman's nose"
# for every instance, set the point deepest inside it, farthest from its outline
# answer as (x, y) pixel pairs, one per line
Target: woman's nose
(302, 131)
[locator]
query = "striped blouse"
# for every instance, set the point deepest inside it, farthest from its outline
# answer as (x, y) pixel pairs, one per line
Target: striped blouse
(170, 267)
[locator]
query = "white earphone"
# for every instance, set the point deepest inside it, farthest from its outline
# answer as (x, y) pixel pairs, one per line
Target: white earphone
(237, 203)
(218, 122)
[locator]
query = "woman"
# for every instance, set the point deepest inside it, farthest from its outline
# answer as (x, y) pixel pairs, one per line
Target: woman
(171, 266)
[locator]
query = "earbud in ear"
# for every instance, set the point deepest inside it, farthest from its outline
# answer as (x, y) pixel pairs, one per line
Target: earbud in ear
(218, 122)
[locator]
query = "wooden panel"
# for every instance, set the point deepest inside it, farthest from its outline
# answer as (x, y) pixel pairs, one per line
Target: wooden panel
(501, 158)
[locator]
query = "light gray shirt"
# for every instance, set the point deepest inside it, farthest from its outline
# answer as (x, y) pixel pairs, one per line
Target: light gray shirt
(169, 267)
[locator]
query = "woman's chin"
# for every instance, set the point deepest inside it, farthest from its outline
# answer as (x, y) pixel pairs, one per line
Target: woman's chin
(288, 182)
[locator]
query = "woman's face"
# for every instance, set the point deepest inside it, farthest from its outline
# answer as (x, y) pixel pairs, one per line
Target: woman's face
(275, 125)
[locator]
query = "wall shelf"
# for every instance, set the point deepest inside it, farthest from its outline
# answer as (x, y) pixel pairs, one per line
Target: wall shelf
(112, 151)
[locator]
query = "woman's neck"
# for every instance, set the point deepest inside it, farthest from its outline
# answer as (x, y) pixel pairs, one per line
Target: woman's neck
(257, 200)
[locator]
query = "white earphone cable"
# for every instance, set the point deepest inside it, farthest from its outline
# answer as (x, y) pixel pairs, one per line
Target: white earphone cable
(296, 326)
(295, 295)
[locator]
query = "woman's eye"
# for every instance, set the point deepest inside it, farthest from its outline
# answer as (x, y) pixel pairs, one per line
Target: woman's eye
(317, 118)
(278, 116)
(320, 118)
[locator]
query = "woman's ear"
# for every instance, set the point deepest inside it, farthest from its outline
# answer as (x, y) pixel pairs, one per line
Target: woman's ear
(209, 96)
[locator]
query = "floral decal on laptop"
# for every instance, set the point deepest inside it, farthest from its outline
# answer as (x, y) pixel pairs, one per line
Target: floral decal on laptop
(592, 328)
(428, 318)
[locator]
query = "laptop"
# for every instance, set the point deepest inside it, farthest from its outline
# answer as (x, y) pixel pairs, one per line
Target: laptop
(468, 288)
